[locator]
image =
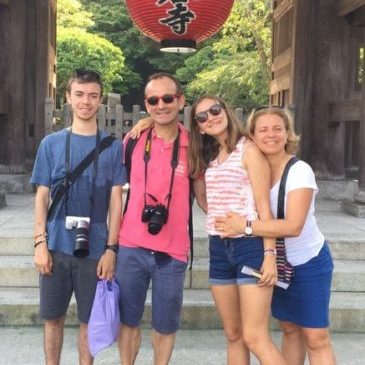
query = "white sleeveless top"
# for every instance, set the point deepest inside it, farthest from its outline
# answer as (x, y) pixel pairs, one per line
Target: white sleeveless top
(228, 189)
(307, 245)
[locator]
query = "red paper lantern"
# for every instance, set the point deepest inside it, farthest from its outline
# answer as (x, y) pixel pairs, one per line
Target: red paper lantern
(179, 24)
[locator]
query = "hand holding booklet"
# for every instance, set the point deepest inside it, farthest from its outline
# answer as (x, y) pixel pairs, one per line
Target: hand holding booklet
(250, 271)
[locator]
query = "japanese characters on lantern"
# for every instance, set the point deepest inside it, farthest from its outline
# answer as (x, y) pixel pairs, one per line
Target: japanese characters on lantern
(179, 15)
(178, 25)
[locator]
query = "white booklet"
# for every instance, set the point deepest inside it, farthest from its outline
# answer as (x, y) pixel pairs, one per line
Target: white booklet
(252, 272)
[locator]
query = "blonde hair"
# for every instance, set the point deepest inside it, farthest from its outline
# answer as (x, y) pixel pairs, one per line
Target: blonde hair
(204, 148)
(292, 144)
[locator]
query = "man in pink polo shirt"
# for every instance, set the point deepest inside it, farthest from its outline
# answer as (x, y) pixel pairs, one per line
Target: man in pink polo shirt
(154, 237)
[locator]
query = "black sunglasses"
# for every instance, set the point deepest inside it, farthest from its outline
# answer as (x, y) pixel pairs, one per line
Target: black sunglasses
(214, 110)
(84, 72)
(167, 99)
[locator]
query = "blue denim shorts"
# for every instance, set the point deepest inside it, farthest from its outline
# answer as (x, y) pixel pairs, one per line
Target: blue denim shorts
(136, 267)
(229, 255)
(306, 301)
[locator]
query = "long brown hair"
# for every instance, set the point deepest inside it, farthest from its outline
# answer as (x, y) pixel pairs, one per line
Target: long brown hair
(204, 148)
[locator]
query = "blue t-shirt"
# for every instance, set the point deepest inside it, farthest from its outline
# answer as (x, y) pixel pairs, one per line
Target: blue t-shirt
(49, 170)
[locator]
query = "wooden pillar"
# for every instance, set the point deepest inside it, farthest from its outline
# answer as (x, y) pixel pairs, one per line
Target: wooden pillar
(187, 113)
(361, 194)
(30, 89)
(356, 206)
(302, 63)
(16, 62)
(136, 112)
(42, 63)
(4, 83)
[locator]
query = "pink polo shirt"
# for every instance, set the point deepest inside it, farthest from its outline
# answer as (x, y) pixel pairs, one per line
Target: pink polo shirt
(174, 235)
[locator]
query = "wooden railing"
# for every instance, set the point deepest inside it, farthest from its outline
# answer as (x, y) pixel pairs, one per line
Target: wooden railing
(112, 117)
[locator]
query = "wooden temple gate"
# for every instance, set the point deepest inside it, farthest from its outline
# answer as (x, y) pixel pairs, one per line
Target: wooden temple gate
(318, 71)
(27, 77)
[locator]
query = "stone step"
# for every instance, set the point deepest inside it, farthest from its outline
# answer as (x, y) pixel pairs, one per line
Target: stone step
(15, 183)
(343, 247)
(349, 276)
(19, 307)
(18, 271)
(2, 199)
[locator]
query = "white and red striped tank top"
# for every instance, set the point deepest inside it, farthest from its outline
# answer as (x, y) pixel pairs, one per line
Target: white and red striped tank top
(229, 189)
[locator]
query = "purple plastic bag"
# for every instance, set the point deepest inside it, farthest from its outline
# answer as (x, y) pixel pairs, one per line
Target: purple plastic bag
(104, 322)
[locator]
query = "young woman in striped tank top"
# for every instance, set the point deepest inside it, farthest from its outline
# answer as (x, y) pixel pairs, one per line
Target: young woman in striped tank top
(237, 178)
(303, 308)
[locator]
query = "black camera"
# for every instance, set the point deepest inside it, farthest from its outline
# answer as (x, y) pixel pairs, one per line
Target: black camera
(156, 216)
(81, 224)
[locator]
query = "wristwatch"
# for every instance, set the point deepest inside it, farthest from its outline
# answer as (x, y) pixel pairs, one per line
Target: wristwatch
(114, 247)
(248, 229)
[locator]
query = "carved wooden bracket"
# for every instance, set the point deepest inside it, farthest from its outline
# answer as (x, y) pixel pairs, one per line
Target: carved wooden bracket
(345, 7)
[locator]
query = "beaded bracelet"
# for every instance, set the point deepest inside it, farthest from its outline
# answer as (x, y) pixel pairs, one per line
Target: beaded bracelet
(270, 251)
(38, 243)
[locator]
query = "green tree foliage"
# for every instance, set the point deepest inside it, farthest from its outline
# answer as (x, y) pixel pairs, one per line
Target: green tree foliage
(78, 48)
(70, 14)
(236, 65)
(237, 78)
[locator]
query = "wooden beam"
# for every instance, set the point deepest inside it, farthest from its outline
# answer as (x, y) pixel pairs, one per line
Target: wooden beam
(357, 17)
(361, 195)
(282, 60)
(280, 83)
(282, 9)
(346, 110)
(344, 7)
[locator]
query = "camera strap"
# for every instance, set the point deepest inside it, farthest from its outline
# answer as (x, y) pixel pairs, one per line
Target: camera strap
(128, 152)
(174, 163)
(95, 168)
(74, 174)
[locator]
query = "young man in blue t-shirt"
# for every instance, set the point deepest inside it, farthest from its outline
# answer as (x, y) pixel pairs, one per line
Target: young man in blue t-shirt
(75, 246)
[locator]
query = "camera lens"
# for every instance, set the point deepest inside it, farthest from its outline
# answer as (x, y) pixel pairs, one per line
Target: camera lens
(157, 220)
(82, 239)
(147, 213)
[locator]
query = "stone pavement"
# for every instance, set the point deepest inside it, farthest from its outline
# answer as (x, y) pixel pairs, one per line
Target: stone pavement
(23, 346)
(201, 340)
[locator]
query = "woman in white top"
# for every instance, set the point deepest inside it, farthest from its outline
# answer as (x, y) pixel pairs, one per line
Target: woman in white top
(302, 309)
(237, 178)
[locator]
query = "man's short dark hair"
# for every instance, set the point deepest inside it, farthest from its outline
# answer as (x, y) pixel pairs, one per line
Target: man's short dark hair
(159, 75)
(84, 76)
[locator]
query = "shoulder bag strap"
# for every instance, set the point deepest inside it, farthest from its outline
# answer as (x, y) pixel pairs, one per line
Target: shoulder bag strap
(105, 142)
(281, 195)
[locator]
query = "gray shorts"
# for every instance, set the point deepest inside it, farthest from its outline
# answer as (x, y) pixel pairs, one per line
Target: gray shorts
(69, 275)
